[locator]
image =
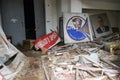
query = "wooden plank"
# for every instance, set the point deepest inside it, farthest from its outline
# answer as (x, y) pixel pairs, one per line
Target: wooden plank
(91, 68)
(76, 74)
(108, 62)
(30, 78)
(45, 70)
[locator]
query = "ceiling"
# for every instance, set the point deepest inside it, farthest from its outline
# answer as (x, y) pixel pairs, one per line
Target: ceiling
(107, 0)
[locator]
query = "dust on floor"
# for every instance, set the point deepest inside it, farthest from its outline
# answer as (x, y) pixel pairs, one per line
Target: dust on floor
(32, 69)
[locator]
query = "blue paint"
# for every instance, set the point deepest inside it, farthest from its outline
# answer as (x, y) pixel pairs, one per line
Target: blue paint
(86, 21)
(75, 34)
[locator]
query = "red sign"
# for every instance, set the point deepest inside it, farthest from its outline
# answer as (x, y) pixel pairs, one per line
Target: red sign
(2, 77)
(46, 42)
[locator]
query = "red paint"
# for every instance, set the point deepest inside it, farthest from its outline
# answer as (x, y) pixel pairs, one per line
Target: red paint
(47, 41)
(3, 78)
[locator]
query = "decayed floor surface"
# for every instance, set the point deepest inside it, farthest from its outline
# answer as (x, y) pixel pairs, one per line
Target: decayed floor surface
(32, 69)
(42, 68)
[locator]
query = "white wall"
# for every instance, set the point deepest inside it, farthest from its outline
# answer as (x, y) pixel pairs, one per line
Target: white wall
(54, 10)
(51, 15)
(76, 6)
(100, 4)
(65, 5)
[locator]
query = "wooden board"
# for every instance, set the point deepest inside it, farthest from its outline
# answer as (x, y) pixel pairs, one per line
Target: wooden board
(30, 78)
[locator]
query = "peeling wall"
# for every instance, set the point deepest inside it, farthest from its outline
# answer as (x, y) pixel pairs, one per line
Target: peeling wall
(51, 15)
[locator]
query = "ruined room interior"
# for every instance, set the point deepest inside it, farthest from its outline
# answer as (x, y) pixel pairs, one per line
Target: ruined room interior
(59, 40)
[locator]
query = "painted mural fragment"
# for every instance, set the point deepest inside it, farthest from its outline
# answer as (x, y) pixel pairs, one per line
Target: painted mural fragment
(76, 28)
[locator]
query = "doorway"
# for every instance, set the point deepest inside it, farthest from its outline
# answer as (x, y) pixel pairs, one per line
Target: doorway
(29, 16)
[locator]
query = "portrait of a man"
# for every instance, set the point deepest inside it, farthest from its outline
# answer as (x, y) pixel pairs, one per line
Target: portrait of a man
(102, 27)
(100, 24)
(77, 22)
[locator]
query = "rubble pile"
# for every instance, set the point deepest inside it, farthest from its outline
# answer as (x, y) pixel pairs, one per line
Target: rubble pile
(83, 61)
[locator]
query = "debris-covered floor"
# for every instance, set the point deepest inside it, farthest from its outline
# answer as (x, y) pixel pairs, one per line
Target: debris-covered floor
(32, 69)
(83, 61)
(96, 60)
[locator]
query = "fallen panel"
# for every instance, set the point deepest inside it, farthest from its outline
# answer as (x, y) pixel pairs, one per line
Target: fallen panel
(11, 59)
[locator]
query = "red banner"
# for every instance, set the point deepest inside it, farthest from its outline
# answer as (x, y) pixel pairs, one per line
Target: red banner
(46, 42)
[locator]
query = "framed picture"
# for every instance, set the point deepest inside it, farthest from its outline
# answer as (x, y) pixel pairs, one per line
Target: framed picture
(100, 24)
(76, 28)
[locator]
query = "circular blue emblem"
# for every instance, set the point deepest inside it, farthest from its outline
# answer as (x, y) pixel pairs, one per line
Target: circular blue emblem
(74, 28)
